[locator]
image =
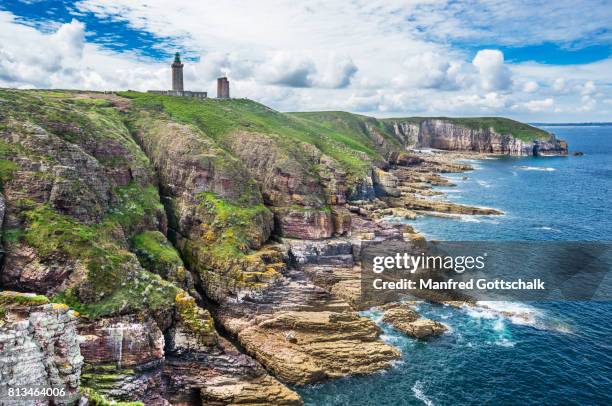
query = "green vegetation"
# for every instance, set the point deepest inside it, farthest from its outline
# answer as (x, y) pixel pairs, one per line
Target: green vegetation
(9, 298)
(135, 204)
(11, 235)
(229, 228)
(7, 167)
(114, 281)
(155, 252)
(96, 399)
(196, 319)
(501, 125)
(220, 118)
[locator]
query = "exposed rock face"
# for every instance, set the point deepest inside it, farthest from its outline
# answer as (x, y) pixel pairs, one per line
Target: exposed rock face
(39, 349)
(304, 347)
(296, 195)
(196, 178)
(305, 334)
(123, 341)
(443, 134)
(409, 322)
(385, 183)
(308, 224)
(2, 209)
(218, 375)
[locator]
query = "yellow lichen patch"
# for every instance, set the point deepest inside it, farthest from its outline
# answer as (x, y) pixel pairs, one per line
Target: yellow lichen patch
(60, 306)
(194, 318)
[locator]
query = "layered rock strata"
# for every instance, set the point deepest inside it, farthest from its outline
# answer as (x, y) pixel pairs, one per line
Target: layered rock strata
(38, 348)
(453, 136)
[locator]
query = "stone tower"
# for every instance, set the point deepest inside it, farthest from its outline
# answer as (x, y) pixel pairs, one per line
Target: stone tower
(223, 88)
(177, 73)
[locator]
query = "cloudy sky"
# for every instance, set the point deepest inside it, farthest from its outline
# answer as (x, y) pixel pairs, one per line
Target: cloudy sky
(527, 59)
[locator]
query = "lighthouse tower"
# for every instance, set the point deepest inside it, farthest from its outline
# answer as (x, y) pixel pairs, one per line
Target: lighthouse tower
(177, 73)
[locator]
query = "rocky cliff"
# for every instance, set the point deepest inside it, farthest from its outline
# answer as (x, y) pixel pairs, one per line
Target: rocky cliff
(494, 136)
(208, 248)
(39, 348)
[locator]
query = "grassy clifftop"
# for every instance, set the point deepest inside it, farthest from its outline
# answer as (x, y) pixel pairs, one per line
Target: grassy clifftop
(219, 118)
(501, 125)
(358, 125)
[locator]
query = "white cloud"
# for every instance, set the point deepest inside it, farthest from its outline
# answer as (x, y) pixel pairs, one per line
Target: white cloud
(494, 75)
(530, 86)
(431, 70)
(382, 57)
(539, 105)
(588, 103)
(559, 85)
(287, 69)
(588, 88)
(337, 73)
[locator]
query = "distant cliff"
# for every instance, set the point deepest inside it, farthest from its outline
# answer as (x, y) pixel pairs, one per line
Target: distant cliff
(494, 135)
(487, 135)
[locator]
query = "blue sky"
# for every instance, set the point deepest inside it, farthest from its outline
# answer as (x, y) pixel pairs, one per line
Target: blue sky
(531, 60)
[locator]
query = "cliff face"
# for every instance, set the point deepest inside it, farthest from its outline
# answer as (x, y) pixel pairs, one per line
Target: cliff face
(453, 136)
(38, 346)
(84, 224)
(164, 220)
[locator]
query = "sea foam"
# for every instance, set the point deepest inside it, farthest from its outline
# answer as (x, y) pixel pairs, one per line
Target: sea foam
(417, 389)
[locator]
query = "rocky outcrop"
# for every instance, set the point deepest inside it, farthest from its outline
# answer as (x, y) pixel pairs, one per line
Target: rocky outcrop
(403, 318)
(449, 135)
(385, 183)
(304, 334)
(38, 347)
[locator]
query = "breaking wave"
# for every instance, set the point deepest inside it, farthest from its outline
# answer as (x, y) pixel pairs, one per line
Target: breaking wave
(417, 389)
(535, 168)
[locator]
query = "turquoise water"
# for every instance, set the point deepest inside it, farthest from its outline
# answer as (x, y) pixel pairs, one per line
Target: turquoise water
(558, 352)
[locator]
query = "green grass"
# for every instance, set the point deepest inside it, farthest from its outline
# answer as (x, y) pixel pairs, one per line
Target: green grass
(155, 252)
(115, 282)
(8, 298)
(97, 399)
(220, 118)
(501, 125)
(230, 227)
(135, 203)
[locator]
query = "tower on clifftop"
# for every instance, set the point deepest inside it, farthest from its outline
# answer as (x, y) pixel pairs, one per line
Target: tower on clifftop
(177, 73)
(223, 88)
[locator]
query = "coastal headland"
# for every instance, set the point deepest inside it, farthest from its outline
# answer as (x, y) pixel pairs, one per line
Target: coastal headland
(162, 249)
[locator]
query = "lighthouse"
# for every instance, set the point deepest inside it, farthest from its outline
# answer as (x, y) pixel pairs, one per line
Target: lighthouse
(177, 73)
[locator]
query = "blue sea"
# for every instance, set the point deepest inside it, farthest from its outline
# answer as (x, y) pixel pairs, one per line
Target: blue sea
(557, 352)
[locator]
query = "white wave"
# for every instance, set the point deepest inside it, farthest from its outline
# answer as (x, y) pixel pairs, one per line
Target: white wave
(499, 325)
(471, 218)
(516, 313)
(483, 183)
(504, 342)
(535, 168)
(417, 389)
(547, 228)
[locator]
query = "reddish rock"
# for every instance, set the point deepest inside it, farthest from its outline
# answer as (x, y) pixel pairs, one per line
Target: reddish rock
(124, 341)
(303, 223)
